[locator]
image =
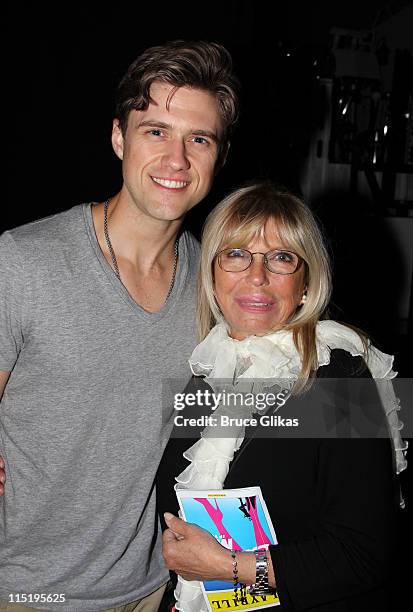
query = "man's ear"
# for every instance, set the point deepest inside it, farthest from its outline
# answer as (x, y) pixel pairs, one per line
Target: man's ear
(223, 157)
(225, 153)
(117, 138)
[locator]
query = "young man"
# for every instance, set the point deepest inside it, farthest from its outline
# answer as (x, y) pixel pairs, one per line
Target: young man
(96, 309)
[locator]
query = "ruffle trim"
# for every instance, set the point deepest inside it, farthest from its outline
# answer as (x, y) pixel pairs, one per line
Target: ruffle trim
(189, 596)
(209, 461)
(275, 356)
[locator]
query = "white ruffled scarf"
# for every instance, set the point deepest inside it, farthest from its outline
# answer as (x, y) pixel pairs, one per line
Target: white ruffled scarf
(272, 356)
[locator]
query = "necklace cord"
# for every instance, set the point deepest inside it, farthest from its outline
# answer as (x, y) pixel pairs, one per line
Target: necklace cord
(115, 261)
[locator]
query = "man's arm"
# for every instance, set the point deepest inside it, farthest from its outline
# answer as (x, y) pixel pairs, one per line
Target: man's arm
(4, 377)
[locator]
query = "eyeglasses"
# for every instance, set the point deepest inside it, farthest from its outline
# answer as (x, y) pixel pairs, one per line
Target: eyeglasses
(278, 261)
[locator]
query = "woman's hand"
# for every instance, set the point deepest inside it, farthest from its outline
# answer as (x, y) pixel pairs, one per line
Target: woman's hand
(193, 553)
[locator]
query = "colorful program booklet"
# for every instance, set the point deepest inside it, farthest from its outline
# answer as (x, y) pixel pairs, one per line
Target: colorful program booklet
(239, 520)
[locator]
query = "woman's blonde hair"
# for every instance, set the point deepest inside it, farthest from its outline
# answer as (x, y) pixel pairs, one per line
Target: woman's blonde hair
(235, 222)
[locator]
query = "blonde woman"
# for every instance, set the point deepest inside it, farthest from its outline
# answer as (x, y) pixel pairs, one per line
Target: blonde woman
(265, 284)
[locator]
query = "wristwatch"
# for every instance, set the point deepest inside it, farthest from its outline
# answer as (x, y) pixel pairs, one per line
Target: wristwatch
(260, 587)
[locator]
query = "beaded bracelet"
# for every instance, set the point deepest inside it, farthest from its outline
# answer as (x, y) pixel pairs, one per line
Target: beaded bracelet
(238, 586)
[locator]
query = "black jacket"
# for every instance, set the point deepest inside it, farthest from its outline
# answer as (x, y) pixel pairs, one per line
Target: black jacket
(333, 504)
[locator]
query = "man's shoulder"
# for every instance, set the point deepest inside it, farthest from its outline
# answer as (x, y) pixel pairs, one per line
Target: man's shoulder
(55, 229)
(192, 242)
(47, 226)
(191, 251)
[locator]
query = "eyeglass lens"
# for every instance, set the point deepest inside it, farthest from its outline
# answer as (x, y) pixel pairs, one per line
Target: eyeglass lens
(278, 261)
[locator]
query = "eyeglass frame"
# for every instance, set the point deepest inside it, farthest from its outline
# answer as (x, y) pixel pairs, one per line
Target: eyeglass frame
(265, 260)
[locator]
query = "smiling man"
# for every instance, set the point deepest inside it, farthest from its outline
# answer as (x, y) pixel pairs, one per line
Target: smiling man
(97, 307)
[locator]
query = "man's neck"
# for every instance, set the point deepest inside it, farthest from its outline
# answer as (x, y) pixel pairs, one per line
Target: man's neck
(144, 251)
(136, 237)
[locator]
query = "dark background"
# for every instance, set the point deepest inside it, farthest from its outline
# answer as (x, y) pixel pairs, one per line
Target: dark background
(62, 67)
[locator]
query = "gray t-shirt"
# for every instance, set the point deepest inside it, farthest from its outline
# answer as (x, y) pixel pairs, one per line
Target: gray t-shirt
(81, 421)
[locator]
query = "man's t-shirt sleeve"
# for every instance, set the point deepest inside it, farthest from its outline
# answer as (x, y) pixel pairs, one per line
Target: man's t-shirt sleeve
(11, 299)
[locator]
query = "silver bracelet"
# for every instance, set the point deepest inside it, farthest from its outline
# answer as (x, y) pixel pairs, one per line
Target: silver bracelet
(260, 587)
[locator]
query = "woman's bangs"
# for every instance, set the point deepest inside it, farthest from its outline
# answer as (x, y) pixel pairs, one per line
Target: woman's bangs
(241, 232)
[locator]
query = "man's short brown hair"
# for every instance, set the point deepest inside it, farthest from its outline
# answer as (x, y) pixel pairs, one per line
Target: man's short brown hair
(198, 64)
